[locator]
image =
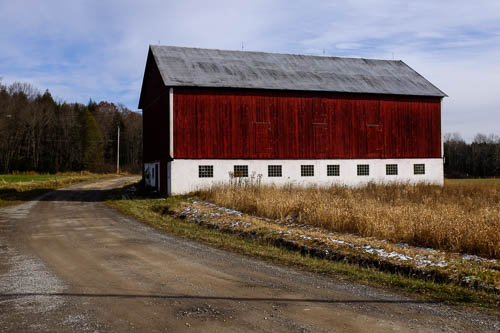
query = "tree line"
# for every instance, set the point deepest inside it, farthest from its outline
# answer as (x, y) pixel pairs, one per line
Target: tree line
(40, 134)
(478, 159)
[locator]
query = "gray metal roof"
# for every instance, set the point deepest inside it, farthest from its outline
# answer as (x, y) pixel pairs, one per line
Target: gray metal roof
(194, 67)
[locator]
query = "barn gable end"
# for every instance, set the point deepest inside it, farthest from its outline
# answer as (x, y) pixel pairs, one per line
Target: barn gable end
(154, 102)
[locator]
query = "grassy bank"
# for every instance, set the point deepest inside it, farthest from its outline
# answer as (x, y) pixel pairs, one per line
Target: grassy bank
(462, 216)
(157, 213)
(16, 188)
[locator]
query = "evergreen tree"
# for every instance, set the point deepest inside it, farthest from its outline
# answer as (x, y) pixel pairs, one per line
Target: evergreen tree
(92, 142)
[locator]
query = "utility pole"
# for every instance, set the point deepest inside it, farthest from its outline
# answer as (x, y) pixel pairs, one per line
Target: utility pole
(118, 152)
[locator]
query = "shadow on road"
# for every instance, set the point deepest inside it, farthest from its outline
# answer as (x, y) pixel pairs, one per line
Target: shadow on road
(218, 298)
(82, 195)
(53, 195)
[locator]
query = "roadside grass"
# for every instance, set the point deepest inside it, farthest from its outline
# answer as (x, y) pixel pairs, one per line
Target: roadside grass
(33, 177)
(461, 216)
(154, 212)
(17, 188)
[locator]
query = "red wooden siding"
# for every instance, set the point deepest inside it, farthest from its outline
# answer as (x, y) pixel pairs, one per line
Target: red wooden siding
(216, 123)
(155, 118)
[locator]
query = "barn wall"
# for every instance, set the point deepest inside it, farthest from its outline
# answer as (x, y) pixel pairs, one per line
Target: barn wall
(253, 124)
(155, 108)
(154, 103)
(156, 130)
(186, 178)
(156, 136)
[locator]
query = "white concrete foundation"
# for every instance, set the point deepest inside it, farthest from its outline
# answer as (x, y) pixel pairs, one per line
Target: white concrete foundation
(184, 178)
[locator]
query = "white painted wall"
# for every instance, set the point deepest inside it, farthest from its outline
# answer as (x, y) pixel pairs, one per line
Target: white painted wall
(184, 173)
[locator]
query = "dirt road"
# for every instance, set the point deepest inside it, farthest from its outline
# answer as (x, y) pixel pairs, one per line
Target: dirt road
(70, 264)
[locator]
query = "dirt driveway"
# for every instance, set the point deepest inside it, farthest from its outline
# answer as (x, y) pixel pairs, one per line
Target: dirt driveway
(70, 264)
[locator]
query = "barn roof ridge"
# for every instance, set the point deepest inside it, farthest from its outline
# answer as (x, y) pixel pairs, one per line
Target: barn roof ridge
(216, 68)
(275, 53)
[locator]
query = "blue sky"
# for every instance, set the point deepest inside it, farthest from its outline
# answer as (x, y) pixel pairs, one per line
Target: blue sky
(97, 49)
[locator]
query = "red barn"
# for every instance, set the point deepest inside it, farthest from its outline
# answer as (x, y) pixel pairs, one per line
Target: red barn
(209, 115)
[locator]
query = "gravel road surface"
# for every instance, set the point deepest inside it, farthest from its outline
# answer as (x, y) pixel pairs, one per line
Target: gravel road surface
(70, 264)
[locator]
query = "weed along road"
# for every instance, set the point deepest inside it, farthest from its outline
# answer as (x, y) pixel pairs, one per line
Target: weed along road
(70, 263)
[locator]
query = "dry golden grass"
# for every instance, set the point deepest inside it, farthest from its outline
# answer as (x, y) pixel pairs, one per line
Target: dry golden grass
(461, 217)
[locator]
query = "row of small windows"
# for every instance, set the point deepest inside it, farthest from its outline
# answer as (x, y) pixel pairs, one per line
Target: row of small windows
(390, 169)
(207, 171)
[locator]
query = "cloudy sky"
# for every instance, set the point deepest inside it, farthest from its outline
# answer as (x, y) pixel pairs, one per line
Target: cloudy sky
(97, 49)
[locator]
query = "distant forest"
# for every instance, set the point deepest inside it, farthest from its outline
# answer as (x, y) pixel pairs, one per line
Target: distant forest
(479, 159)
(39, 134)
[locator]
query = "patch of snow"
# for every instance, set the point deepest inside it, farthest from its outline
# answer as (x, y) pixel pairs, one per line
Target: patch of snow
(471, 257)
(223, 209)
(469, 279)
(338, 241)
(382, 253)
(441, 264)
(428, 249)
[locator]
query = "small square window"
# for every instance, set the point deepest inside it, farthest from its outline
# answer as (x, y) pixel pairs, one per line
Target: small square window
(240, 171)
(205, 171)
(274, 171)
(419, 169)
(307, 170)
(363, 170)
(391, 169)
(333, 170)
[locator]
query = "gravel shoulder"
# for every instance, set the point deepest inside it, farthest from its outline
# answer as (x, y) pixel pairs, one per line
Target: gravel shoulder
(69, 263)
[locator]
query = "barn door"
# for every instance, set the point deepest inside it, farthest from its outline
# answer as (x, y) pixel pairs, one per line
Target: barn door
(374, 133)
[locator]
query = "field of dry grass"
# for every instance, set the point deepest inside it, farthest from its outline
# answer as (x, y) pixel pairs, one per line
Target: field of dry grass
(460, 216)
